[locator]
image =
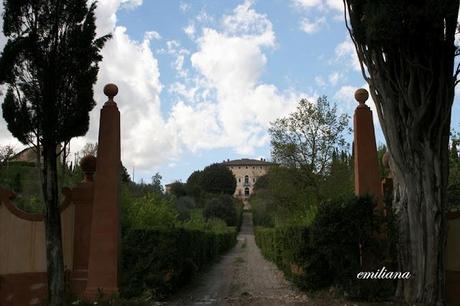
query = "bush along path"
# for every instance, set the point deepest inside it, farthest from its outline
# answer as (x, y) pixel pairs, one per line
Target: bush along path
(242, 277)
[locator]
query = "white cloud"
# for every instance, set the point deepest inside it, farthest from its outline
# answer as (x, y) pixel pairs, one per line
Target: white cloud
(322, 5)
(190, 31)
(225, 104)
(184, 7)
(312, 26)
(152, 35)
(320, 81)
(334, 78)
(106, 13)
(345, 51)
(146, 140)
(307, 4)
(318, 12)
(346, 95)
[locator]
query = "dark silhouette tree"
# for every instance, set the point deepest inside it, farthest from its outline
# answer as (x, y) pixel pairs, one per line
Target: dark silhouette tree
(406, 49)
(178, 189)
(50, 64)
(217, 179)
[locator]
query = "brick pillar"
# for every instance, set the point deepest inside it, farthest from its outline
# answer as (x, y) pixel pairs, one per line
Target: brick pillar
(82, 197)
(105, 229)
(367, 181)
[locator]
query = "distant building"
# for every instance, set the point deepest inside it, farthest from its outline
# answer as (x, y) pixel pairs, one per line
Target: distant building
(247, 172)
(168, 188)
(26, 155)
(29, 155)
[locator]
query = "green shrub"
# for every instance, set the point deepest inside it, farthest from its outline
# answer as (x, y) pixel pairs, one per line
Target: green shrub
(160, 260)
(221, 207)
(327, 253)
(149, 211)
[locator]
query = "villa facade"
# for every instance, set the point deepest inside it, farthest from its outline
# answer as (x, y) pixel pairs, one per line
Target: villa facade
(247, 172)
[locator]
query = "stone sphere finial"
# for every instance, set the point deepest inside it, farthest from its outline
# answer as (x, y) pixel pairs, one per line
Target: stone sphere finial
(361, 95)
(88, 166)
(110, 90)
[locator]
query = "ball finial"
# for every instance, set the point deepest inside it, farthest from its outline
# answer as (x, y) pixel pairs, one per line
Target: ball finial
(110, 90)
(361, 95)
(88, 165)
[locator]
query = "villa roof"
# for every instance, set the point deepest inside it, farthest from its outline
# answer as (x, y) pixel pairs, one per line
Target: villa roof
(247, 162)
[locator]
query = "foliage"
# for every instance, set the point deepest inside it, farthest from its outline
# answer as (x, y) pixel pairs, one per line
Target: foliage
(193, 185)
(6, 152)
(178, 189)
(156, 183)
(327, 252)
(49, 63)
(184, 205)
(125, 177)
(407, 52)
(217, 179)
(307, 138)
(221, 207)
(149, 211)
(160, 261)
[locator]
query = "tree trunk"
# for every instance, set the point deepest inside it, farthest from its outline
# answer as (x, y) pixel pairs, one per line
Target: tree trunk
(420, 201)
(410, 74)
(54, 254)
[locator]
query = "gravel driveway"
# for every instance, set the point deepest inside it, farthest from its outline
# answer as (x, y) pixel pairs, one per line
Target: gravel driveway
(242, 277)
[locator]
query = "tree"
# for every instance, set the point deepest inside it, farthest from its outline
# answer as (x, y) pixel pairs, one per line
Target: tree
(6, 152)
(221, 207)
(50, 64)
(218, 179)
(193, 185)
(89, 149)
(406, 50)
(156, 183)
(125, 177)
(308, 137)
(178, 189)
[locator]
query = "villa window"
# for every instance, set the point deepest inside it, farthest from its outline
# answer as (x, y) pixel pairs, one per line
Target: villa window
(239, 180)
(246, 179)
(246, 191)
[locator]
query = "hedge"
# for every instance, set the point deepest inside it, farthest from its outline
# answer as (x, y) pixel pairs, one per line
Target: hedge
(327, 253)
(161, 260)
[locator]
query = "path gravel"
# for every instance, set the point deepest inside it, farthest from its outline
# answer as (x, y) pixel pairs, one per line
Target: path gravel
(242, 277)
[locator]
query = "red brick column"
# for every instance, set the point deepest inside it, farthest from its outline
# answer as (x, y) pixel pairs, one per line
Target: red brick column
(367, 180)
(105, 229)
(82, 197)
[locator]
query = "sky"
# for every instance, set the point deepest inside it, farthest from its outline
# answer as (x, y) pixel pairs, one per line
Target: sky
(200, 81)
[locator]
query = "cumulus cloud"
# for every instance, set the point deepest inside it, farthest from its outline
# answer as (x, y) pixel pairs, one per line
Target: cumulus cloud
(346, 96)
(318, 13)
(346, 52)
(230, 106)
(309, 26)
(322, 5)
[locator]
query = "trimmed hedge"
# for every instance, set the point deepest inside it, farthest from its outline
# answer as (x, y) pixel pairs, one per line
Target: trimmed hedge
(161, 260)
(327, 253)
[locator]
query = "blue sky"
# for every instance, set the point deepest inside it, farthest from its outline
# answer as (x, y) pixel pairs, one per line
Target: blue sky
(200, 81)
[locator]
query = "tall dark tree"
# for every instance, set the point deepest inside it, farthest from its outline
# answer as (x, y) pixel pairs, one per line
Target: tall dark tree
(50, 64)
(406, 49)
(217, 179)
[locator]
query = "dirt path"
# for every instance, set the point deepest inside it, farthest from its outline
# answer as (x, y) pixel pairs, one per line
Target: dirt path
(242, 277)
